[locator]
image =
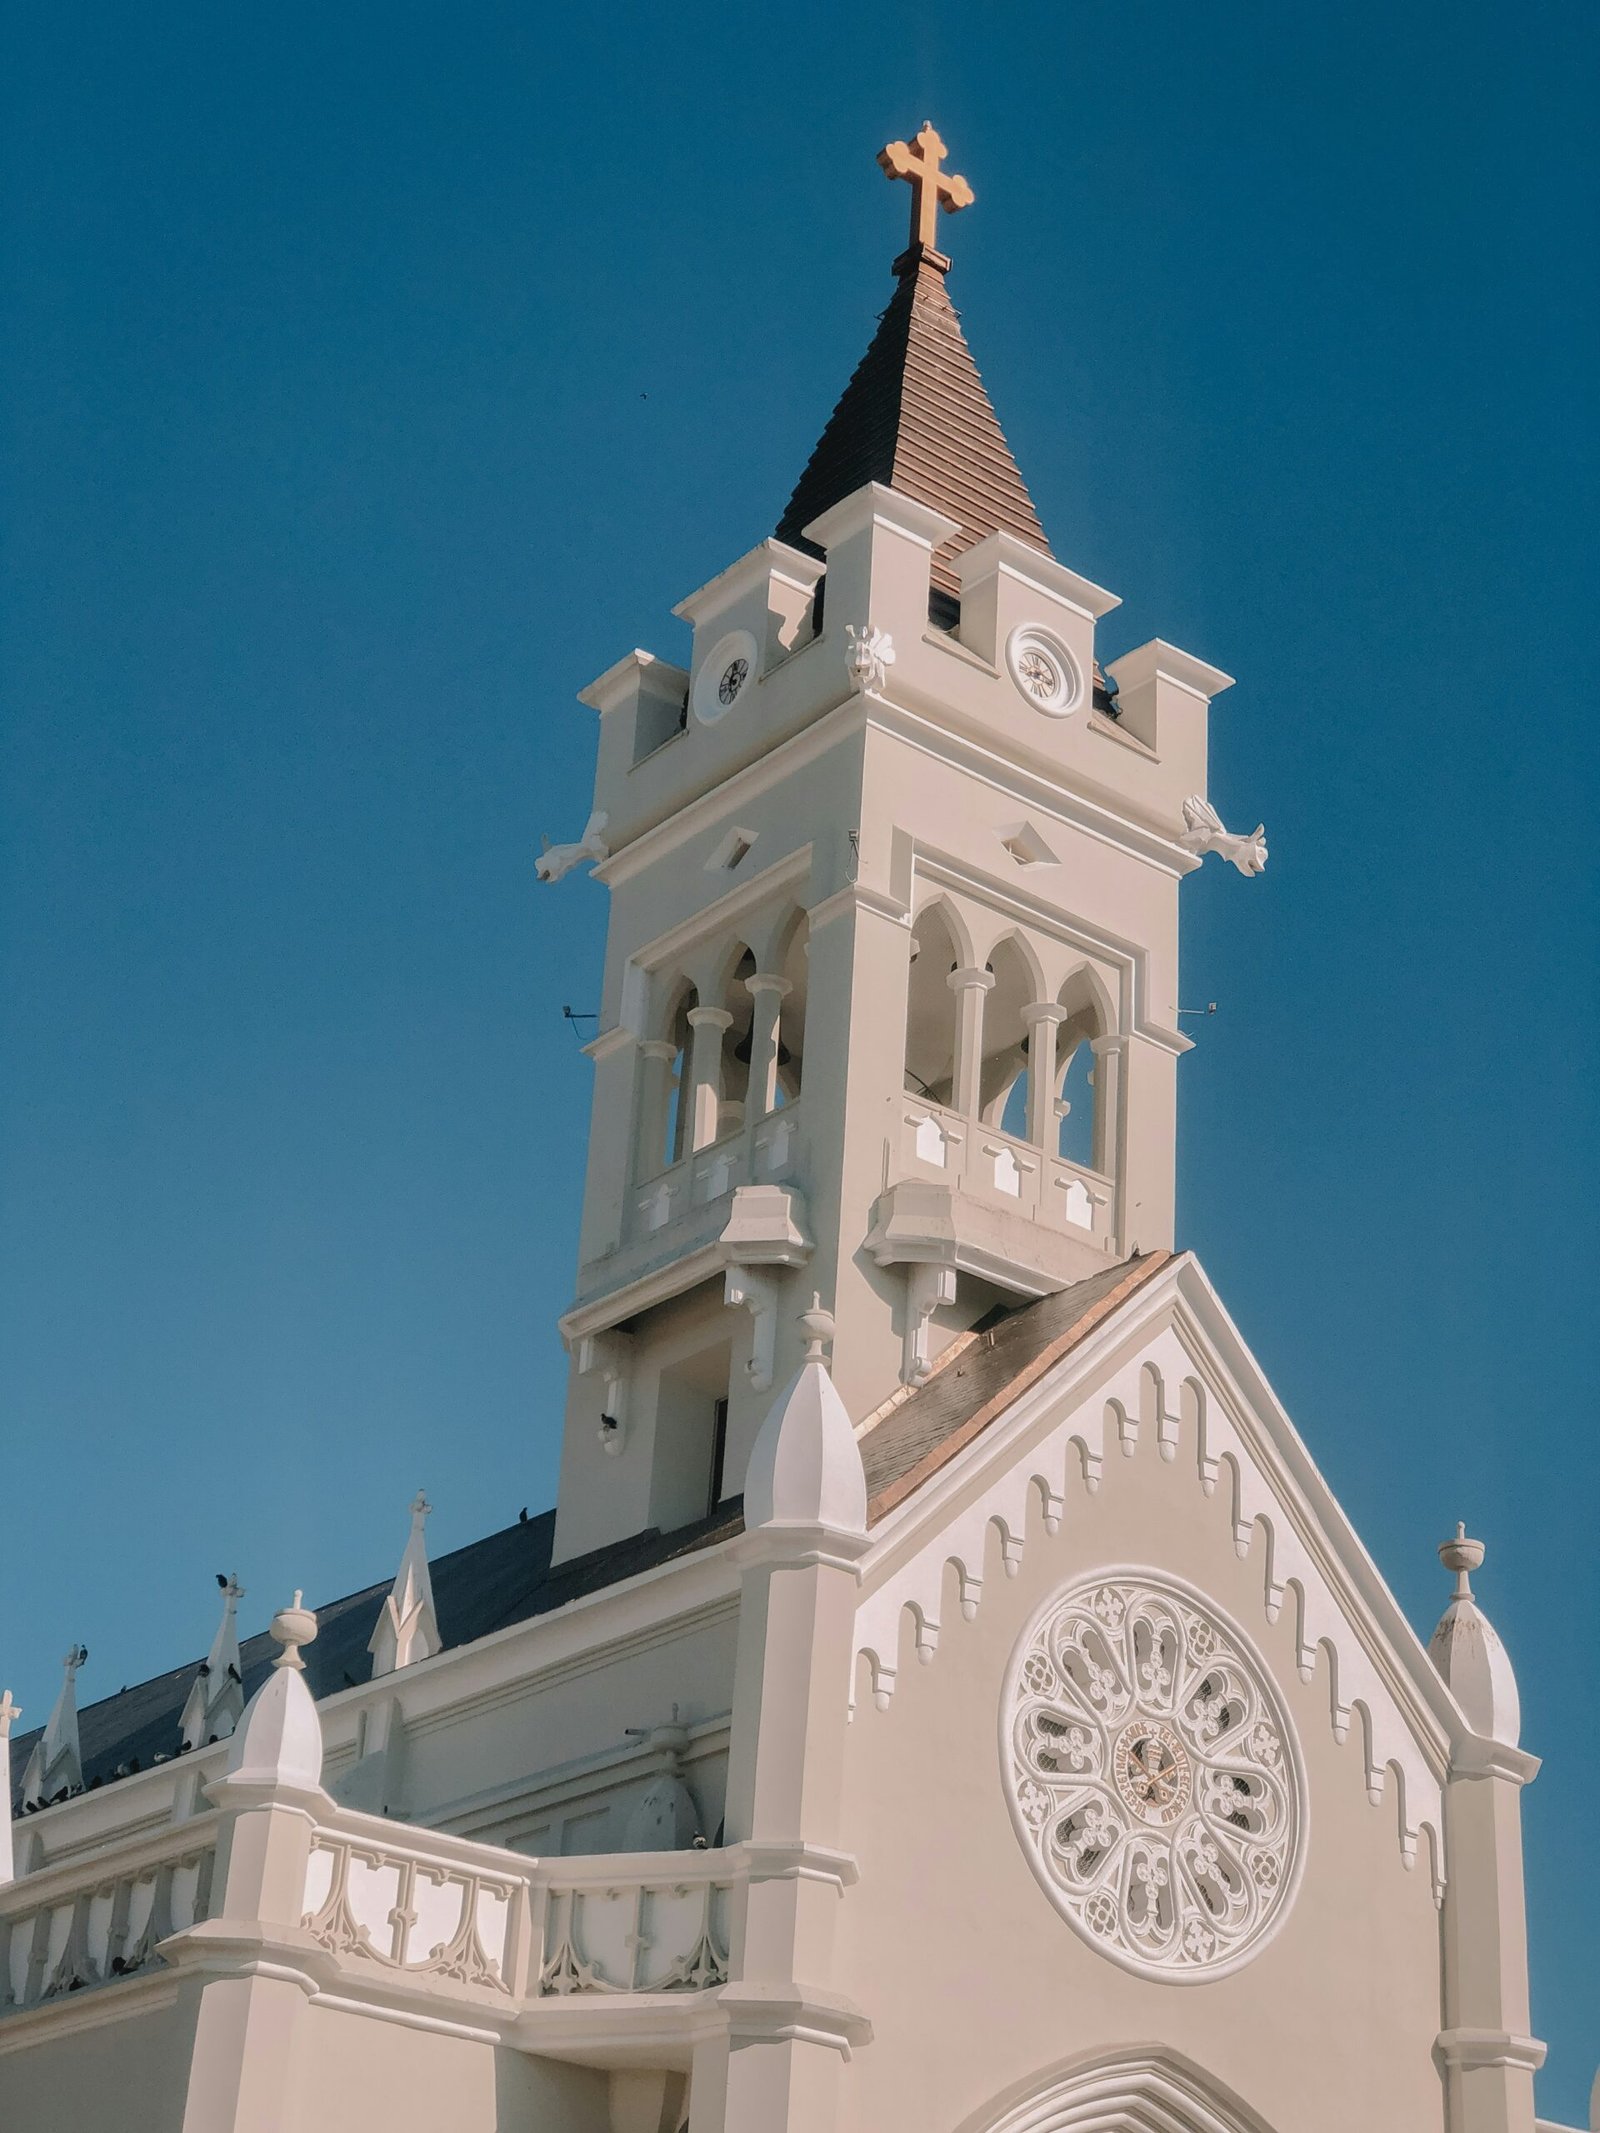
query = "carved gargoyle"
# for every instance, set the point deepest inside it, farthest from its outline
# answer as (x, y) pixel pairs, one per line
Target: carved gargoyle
(1204, 832)
(558, 859)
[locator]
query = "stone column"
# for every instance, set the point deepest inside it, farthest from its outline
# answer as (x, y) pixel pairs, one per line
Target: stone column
(246, 1971)
(1488, 2054)
(656, 1055)
(8, 1711)
(769, 993)
(777, 2069)
(971, 988)
(1043, 1019)
(705, 1074)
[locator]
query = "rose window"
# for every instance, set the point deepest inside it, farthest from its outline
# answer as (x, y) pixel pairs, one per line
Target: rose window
(1152, 1776)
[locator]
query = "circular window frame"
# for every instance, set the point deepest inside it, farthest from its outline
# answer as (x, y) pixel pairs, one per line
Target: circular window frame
(1062, 701)
(729, 648)
(1164, 1584)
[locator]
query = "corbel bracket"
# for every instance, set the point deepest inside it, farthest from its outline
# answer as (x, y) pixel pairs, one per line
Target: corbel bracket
(612, 1355)
(928, 1285)
(758, 1294)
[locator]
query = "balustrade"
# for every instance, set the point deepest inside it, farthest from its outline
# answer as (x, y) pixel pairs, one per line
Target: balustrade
(756, 1155)
(409, 1904)
(651, 1933)
(1005, 1171)
(70, 1928)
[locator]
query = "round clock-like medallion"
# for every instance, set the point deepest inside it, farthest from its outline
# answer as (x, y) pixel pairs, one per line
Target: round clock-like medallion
(723, 676)
(1152, 1775)
(1044, 670)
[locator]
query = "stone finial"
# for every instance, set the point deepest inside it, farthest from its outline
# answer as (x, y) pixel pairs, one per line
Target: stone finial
(215, 1702)
(278, 1742)
(1463, 1556)
(665, 1817)
(407, 1628)
(805, 1466)
(291, 1627)
(1469, 1655)
(56, 1765)
(818, 1327)
(9, 1710)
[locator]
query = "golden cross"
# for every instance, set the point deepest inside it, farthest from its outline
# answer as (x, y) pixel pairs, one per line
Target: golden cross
(931, 187)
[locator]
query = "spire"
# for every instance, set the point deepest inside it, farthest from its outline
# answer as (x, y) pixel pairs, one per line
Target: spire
(216, 1697)
(805, 1466)
(9, 1710)
(1471, 1658)
(915, 415)
(406, 1629)
(279, 1739)
(56, 1764)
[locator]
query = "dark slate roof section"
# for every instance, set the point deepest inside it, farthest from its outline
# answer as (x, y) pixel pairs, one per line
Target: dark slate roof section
(916, 418)
(980, 1379)
(507, 1577)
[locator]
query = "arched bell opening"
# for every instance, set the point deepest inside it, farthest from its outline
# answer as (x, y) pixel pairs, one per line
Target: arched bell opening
(931, 1008)
(1003, 1076)
(664, 1106)
(1085, 1074)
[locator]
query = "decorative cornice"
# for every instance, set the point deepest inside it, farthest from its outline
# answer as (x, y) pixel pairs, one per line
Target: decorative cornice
(773, 2013)
(1469, 2049)
(1476, 1757)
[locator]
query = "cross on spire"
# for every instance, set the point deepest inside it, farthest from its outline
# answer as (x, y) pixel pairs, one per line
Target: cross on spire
(918, 161)
(8, 1711)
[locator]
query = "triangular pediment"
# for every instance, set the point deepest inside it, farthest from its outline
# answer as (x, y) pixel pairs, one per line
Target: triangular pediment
(1009, 1441)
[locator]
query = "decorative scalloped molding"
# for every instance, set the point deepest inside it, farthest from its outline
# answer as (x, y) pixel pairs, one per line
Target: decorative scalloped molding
(1158, 1396)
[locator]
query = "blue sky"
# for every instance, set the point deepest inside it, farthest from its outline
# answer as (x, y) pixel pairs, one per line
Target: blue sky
(372, 377)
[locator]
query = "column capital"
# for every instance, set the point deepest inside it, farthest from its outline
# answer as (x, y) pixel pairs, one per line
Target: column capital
(658, 1048)
(1050, 1011)
(971, 979)
(710, 1018)
(760, 981)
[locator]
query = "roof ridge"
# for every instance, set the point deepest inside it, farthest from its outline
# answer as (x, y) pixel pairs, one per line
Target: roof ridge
(1096, 1310)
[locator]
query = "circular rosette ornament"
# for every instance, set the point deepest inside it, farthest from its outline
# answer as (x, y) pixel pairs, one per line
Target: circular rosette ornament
(1152, 1775)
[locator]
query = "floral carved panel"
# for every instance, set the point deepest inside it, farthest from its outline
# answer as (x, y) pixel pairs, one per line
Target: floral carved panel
(1152, 1775)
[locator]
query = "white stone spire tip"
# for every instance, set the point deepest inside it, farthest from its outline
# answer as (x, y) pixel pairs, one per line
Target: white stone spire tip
(1468, 1653)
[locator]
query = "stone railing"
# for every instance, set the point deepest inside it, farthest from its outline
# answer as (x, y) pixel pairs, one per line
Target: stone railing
(90, 1922)
(749, 1155)
(1008, 1173)
(391, 1903)
(631, 1924)
(432, 1908)
(429, 1906)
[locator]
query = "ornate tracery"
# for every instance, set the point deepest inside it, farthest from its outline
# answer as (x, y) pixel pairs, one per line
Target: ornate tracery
(1152, 1775)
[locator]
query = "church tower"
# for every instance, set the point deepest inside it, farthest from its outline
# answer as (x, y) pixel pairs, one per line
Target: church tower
(890, 1001)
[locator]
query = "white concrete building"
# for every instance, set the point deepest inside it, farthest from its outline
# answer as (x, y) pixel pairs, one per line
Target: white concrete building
(945, 1696)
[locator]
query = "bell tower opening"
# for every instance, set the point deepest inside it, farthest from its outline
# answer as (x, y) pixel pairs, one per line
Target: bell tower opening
(691, 1433)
